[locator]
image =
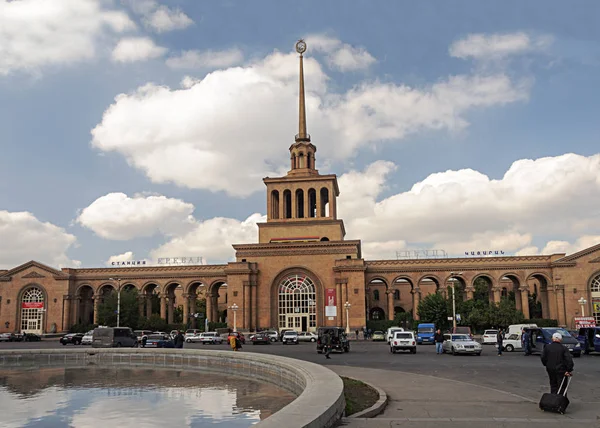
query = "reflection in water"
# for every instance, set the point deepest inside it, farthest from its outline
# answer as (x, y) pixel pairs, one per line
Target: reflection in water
(115, 397)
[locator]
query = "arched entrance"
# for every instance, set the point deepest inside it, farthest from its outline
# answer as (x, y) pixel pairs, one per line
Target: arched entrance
(297, 303)
(32, 310)
(376, 314)
(85, 299)
(217, 302)
(595, 295)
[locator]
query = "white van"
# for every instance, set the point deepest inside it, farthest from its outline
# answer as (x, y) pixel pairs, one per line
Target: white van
(389, 335)
(518, 329)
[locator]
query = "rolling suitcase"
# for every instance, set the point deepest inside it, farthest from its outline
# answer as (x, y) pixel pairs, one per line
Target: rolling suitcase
(559, 402)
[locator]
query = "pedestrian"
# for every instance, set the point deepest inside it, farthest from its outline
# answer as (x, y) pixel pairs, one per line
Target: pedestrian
(525, 342)
(144, 340)
(438, 338)
(179, 339)
(238, 343)
(499, 341)
(357, 331)
(232, 342)
(327, 344)
(365, 333)
(558, 362)
(370, 333)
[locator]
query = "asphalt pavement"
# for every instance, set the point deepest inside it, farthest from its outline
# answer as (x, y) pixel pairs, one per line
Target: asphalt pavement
(426, 389)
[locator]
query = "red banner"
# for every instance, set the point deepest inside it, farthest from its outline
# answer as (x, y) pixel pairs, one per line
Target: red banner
(32, 305)
(330, 297)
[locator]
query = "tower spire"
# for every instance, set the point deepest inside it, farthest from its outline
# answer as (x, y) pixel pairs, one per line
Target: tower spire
(302, 134)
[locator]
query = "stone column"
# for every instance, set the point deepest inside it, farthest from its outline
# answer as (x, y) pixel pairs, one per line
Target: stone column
(97, 300)
(209, 312)
(67, 314)
(416, 302)
(254, 317)
(193, 297)
(163, 306)
(170, 308)
(186, 313)
(141, 302)
(390, 304)
(544, 301)
(246, 307)
(497, 292)
(340, 306)
(148, 305)
(518, 300)
(525, 301)
(76, 309)
(470, 290)
(560, 305)
(318, 192)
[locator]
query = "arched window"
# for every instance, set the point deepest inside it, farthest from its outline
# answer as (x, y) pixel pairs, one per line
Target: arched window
(299, 203)
(32, 310)
(376, 295)
(396, 294)
(275, 204)
(504, 292)
(312, 203)
(308, 160)
(595, 287)
(324, 193)
(301, 160)
(287, 203)
(297, 303)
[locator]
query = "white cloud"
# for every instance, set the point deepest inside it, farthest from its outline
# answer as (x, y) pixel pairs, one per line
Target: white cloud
(160, 18)
(213, 239)
(119, 217)
(213, 125)
(465, 210)
(132, 49)
(25, 238)
(498, 46)
(39, 33)
(125, 257)
(209, 59)
(341, 56)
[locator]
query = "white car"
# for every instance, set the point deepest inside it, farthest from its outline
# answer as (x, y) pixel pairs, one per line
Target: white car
(390, 333)
(87, 338)
(193, 338)
(489, 337)
(290, 336)
(512, 343)
(460, 344)
(307, 336)
(403, 341)
(211, 337)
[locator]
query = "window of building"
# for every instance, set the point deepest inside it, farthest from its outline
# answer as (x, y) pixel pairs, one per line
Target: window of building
(32, 310)
(297, 303)
(396, 294)
(595, 289)
(376, 295)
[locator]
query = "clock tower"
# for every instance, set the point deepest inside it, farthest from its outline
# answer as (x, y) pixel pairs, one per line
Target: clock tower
(302, 205)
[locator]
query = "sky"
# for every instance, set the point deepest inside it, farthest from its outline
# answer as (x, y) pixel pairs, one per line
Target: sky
(142, 129)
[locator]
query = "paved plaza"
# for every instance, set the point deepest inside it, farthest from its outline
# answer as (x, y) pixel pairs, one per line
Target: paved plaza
(429, 390)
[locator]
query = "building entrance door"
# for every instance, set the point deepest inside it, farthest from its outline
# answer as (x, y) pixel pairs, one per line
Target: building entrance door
(297, 303)
(297, 322)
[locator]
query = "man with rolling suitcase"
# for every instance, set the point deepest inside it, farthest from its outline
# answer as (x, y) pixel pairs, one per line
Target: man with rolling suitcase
(559, 366)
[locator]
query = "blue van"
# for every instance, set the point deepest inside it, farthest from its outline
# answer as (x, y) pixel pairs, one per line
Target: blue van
(425, 333)
(540, 337)
(589, 338)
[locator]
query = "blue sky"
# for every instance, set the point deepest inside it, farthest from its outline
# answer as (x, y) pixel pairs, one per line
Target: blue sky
(399, 93)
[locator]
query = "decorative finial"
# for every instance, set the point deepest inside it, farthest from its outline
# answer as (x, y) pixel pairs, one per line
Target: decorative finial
(302, 134)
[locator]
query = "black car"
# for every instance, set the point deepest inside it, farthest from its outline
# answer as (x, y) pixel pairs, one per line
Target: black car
(261, 337)
(339, 340)
(72, 338)
(31, 337)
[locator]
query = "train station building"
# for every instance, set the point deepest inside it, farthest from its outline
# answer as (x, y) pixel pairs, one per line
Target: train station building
(301, 273)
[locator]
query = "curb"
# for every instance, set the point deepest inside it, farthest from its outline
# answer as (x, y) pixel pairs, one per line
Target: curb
(376, 408)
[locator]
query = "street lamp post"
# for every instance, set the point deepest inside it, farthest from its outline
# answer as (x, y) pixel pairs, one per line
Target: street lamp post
(234, 308)
(347, 305)
(454, 299)
(582, 302)
(118, 299)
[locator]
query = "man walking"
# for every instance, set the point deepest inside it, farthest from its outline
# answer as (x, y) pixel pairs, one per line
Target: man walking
(500, 341)
(327, 344)
(558, 362)
(438, 338)
(525, 342)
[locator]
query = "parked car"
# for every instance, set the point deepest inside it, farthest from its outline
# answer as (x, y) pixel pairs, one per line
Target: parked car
(389, 334)
(307, 336)
(17, 337)
(339, 340)
(141, 333)
(512, 342)
(460, 344)
(211, 338)
(540, 337)
(589, 339)
(87, 338)
(261, 337)
(282, 332)
(403, 341)
(378, 336)
(425, 333)
(7, 337)
(489, 337)
(31, 337)
(238, 335)
(273, 335)
(290, 337)
(194, 338)
(109, 337)
(159, 341)
(191, 332)
(173, 334)
(71, 338)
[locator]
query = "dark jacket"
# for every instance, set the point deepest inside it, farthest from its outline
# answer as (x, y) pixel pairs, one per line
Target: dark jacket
(438, 338)
(500, 337)
(556, 357)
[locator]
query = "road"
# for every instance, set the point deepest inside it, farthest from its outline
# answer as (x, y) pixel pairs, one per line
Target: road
(512, 372)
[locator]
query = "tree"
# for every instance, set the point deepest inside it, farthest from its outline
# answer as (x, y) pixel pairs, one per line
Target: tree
(434, 308)
(130, 315)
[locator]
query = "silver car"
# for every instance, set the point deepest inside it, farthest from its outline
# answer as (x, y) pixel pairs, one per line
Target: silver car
(460, 344)
(307, 336)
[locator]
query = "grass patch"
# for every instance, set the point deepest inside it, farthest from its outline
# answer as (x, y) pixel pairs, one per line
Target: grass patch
(359, 396)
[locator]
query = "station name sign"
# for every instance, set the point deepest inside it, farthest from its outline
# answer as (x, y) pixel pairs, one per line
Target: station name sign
(129, 263)
(485, 253)
(180, 261)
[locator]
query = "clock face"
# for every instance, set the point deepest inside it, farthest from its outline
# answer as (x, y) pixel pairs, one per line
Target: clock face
(300, 46)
